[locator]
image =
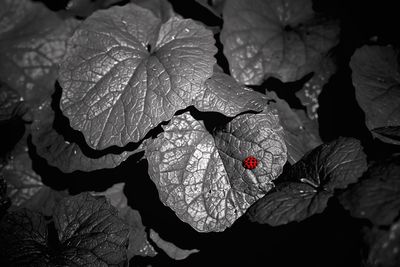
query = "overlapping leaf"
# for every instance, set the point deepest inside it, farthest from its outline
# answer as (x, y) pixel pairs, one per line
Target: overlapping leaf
(161, 8)
(223, 94)
(274, 38)
(138, 243)
(202, 178)
(23, 236)
(376, 78)
(32, 43)
(376, 196)
(24, 186)
(169, 248)
(308, 95)
(58, 152)
(11, 104)
(22, 181)
(300, 133)
(315, 177)
(115, 90)
(89, 233)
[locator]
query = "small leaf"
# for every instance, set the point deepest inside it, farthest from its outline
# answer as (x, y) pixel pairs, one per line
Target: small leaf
(169, 248)
(308, 95)
(300, 133)
(58, 152)
(283, 39)
(315, 177)
(11, 104)
(376, 78)
(32, 44)
(115, 90)
(202, 179)
(376, 196)
(223, 94)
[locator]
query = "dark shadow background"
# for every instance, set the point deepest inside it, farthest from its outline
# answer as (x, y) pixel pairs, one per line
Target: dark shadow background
(329, 239)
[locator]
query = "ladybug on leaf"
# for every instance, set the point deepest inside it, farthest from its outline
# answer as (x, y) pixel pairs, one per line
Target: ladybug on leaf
(250, 163)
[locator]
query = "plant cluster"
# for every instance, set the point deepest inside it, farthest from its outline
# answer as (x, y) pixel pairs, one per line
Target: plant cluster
(224, 119)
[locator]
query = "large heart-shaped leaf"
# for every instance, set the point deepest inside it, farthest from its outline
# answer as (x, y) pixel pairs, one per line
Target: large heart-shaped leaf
(315, 177)
(202, 178)
(32, 43)
(376, 77)
(58, 152)
(264, 38)
(125, 72)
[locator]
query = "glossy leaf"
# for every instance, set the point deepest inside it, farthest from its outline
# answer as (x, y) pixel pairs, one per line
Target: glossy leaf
(313, 181)
(224, 95)
(202, 178)
(300, 133)
(289, 202)
(376, 196)
(115, 90)
(58, 152)
(282, 39)
(376, 78)
(32, 43)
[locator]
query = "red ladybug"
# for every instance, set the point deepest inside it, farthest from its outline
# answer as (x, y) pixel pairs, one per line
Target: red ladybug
(250, 163)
